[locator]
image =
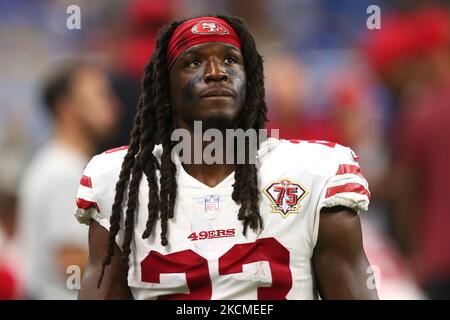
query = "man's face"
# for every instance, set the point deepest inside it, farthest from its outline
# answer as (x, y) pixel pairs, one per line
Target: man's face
(208, 83)
(94, 104)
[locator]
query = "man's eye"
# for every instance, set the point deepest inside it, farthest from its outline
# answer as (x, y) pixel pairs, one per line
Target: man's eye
(231, 60)
(194, 63)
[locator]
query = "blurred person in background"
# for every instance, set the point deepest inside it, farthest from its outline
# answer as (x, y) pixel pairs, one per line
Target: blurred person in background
(287, 90)
(84, 108)
(416, 70)
(290, 109)
(286, 99)
(13, 159)
(10, 284)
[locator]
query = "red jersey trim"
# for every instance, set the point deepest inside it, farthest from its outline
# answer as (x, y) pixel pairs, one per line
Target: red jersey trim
(85, 205)
(348, 187)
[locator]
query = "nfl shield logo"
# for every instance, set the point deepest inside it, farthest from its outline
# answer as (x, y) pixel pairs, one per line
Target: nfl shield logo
(211, 203)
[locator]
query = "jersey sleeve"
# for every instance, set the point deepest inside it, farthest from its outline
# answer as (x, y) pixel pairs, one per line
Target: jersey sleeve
(87, 204)
(345, 185)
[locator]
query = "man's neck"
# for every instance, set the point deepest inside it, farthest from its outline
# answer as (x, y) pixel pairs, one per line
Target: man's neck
(209, 174)
(74, 140)
(205, 172)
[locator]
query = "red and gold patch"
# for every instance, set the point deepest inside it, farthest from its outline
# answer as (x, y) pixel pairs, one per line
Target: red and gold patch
(285, 196)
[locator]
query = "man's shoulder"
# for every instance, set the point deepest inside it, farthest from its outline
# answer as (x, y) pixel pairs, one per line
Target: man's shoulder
(107, 161)
(112, 155)
(315, 155)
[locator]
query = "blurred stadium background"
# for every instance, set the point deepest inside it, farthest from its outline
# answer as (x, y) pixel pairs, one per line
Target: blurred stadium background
(385, 93)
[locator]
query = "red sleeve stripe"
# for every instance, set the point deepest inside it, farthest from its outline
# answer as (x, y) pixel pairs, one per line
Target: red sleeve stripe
(86, 181)
(348, 168)
(348, 187)
(85, 205)
(116, 149)
(330, 144)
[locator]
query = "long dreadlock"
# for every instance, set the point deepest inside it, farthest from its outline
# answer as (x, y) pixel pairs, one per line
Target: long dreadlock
(155, 116)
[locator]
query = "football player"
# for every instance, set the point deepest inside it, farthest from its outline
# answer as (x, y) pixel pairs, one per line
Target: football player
(284, 227)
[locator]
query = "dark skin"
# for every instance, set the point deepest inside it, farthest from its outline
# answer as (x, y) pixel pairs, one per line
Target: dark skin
(197, 72)
(340, 265)
(339, 262)
(114, 284)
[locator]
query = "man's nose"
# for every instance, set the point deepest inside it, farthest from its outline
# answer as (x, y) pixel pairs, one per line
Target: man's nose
(215, 71)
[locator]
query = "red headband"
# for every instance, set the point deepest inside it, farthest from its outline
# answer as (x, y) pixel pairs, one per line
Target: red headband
(199, 30)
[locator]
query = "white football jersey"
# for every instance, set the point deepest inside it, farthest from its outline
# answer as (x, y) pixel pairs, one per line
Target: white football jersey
(208, 257)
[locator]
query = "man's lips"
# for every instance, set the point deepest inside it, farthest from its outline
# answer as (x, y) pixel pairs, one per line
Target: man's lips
(217, 93)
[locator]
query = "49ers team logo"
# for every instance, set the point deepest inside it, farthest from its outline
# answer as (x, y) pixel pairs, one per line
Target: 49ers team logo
(285, 196)
(207, 26)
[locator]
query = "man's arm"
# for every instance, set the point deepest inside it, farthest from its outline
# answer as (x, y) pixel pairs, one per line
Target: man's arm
(340, 264)
(114, 285)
